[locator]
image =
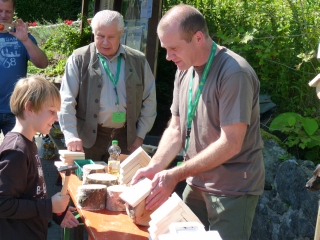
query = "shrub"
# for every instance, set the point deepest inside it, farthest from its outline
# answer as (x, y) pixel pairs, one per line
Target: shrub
(47, 10)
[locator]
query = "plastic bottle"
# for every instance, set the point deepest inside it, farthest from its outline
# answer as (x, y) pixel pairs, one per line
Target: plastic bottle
(114, 161)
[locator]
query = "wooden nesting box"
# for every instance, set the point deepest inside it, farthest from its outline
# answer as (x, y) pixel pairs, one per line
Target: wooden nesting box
(172, 210)
(134, 197)
(136, 160)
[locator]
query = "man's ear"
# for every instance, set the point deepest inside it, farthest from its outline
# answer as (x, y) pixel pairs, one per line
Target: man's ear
(199, 36)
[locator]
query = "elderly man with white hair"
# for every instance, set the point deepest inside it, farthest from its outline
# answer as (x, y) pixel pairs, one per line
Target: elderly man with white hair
(108, 92)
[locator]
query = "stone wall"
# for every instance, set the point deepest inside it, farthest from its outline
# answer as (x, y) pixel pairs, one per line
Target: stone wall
(286, 209)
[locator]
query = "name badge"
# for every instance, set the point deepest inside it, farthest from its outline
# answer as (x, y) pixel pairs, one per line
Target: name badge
(118, 117)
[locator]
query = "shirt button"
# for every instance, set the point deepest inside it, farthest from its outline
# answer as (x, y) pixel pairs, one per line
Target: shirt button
(99, 86)
(95, 116)
(94, 131)
(96, 100)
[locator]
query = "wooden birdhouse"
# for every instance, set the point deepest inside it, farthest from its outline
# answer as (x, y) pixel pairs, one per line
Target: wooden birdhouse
(316, 83)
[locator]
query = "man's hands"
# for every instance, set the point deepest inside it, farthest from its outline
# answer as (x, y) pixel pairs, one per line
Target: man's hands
(37, 56)
(147, 172)
(137, 143)
(21, 32)
(163, 184)
(74, 145)
(69, 220)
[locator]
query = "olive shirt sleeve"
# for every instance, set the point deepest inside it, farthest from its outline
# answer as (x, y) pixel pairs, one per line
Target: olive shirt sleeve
(236, 99)
(16, 198)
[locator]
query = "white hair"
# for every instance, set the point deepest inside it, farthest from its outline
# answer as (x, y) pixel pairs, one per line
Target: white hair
(106, 18)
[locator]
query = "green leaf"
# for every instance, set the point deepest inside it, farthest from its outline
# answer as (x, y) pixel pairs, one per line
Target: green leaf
(291, 120)
(310, 125)
(284, 120)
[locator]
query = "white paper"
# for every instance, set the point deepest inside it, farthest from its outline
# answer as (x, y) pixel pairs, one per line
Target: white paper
(146, 8)
(134, 37)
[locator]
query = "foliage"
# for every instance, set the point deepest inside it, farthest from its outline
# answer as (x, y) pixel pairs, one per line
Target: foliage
(58, 41)
(67, 37)
(47, 10)
(278, 38)
(302, 132)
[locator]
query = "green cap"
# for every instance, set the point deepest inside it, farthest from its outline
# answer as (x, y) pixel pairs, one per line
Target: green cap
(114, 142)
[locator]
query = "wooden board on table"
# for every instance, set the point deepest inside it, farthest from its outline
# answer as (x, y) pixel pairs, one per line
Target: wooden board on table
(133, 195)
(66, 153)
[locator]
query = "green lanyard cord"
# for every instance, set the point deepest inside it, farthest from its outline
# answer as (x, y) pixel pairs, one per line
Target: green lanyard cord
(114, 81)
(192, 106)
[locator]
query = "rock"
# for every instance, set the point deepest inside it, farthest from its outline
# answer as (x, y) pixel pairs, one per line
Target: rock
(286, 209)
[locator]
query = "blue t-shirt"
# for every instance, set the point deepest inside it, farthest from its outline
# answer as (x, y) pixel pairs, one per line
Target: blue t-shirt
(13, 66)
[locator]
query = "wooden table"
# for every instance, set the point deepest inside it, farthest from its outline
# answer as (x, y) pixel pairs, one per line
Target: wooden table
(105, 224)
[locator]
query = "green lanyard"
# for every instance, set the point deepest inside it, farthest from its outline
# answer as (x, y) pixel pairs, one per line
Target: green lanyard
(114, 81)
(192, 106)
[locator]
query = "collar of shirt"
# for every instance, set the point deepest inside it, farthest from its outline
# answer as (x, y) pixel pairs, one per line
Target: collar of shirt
(120, 51)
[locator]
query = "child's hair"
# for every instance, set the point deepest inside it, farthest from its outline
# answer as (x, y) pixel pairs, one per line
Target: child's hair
(38, 91)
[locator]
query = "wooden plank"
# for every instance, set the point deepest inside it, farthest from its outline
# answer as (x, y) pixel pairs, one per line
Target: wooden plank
(163, 225)
(166, 218)
(191, 216)
(59, 164)
(173, 210)
(127, 171)
(134, 194)
(66, 153)
(164, 209)
(126, 177)
(314, 82)
(139, 155)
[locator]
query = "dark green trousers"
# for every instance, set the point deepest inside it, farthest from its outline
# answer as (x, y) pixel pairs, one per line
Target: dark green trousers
(231, 216)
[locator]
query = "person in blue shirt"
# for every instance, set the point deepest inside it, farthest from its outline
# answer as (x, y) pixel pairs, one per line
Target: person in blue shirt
(16, 49)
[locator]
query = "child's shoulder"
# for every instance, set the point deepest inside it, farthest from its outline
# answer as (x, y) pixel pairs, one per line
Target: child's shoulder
(15, 141)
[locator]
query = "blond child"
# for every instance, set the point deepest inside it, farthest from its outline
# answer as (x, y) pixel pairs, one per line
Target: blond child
(24, 206)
